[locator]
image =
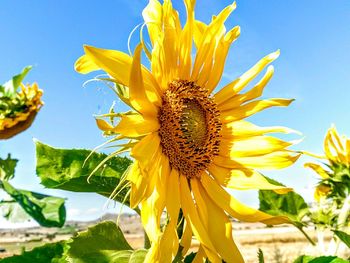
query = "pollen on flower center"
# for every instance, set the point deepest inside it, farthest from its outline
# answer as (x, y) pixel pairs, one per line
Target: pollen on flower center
(189, 127)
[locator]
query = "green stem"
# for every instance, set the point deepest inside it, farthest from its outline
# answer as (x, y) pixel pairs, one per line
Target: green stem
(306, 235)
(178, 258)
(146, 243)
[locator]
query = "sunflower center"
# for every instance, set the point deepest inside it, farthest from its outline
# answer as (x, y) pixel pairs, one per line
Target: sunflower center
(189, 127)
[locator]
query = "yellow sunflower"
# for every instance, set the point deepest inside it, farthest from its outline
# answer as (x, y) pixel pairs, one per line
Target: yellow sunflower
(189, 144)
(18, 108)
(337, 174)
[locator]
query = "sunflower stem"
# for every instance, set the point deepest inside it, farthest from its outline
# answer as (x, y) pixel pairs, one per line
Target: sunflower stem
(306, 235)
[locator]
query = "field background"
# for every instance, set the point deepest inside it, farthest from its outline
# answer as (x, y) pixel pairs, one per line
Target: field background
(280, 244)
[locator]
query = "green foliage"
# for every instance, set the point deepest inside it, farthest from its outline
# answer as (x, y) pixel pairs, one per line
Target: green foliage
(189, 258)
(102, 243)
(45, 254)
(291, 204)
(70, 169)
(104, 236)
(47, 210)
(10, 102)
(7, 168)
(261, 256)
(323, 259)
(343, 237)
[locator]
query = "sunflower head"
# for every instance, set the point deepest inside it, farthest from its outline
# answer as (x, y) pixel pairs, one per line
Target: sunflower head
(335, 172)
(19, 105)
(188, 142)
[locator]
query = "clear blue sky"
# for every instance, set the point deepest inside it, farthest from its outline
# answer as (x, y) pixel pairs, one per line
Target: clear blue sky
(314, 68)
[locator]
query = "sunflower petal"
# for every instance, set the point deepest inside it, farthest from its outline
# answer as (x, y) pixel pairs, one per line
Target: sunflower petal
(152, 15)
(236, 208)
(251, 108)
(145, 150)
(255, 92)
(210, 38)
(218, 225)
(221, 53)
(242, 128)
(237, 85)
(244, 179)
(186, 238)
(135, 125)
(251, 146)
(271, 161)
(318, 169)
(118, 65)
(191, 215)
(185, 61)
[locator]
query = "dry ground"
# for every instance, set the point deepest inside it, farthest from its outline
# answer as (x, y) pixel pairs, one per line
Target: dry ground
(279, 244)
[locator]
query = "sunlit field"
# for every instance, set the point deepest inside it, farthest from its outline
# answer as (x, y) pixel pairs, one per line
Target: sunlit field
(174, 131)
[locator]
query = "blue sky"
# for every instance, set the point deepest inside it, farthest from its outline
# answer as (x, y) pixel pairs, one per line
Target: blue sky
(314, 68)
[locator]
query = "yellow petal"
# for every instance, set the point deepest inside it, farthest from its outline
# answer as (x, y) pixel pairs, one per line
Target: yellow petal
(145, 150)
(135, 125)
(85, 65)
(237, 85)
(244, 179)
(152, 14)
(138, 184)
(218, 225)
(104, 125)
(191, 215)
(137, 93)
(255, 92)
(318, 169)
(243, 128)
(213, 32)
(221, 53)
(234, 207)
(200, 256)
(153, 206)
(251, 146)
(199, 29)
(186, 238)
(185, 48)
(118, 65)
(271, 161)
(251, 108)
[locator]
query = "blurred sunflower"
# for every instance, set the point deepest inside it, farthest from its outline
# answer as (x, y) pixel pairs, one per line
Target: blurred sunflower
(335, 173)
(18, 107)
(188, 143)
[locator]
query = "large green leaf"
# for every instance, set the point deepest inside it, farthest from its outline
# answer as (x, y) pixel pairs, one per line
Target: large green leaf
(291, 204)
(47, 210)
(104, 236)
(323, 259)
(7, 168)
(45, 254)
(343, 237)
(69, 170)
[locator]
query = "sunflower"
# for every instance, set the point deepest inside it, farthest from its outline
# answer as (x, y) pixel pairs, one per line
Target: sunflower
(19, 105)
(335, 173)
(188, 143)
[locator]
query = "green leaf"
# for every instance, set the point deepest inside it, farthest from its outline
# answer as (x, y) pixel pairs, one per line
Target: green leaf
(10, 87)
(67, 170)
(343, 237)
(138, 256)
(291, 204)
(323, 259)
(261, 256)
(47, 210)
(97, 241)
(48, 253)
(7, 168)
